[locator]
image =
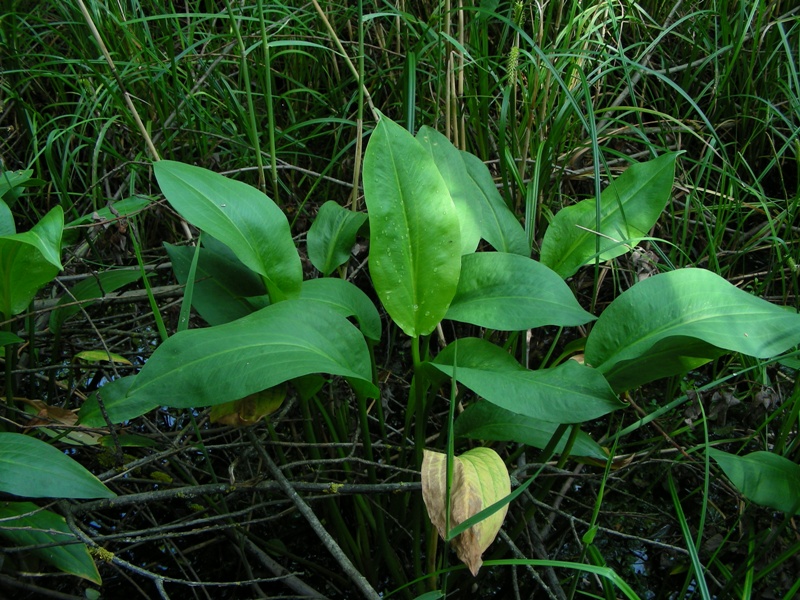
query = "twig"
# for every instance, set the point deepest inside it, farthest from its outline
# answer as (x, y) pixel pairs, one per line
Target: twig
(366, 589)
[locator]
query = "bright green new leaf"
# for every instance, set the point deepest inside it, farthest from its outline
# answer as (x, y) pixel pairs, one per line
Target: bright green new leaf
(499, 226)
(91, 288)
(347, 300)
(568, 393)
(676, 321)
(96, 356)
(240, 217)
(480, 479)
(222, 282)
(764, 478)
(511, 293)
(629, 207)
(415, 243)
(25, 524)
(28, 261)
(332, 235)
(486, 421)
(463, 190)
(30, 467)
(205, 367)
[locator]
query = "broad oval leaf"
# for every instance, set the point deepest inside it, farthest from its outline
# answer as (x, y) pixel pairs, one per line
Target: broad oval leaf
(568, 393)
(415, 243)
(205, 367)
(33, 468)
(486, 421)
(332, 235)
(629, 207)
(676, 321)
(240, 217)
(28, 261)
(763, 477)
(346, 299)
(480, 479)
(25, 524)
(511, 293)
(499, 226)
(462, 189)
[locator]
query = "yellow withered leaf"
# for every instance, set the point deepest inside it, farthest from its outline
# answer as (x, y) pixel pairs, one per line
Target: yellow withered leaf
(250, 409)
(480, 479)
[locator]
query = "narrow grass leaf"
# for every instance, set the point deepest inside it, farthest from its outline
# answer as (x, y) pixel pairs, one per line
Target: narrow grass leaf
(240, 217)
(25, 524)
(30, 467)
(629, 207)
(486, 421)
(569, 393)
(512, 293)
(763, 477)
(679, 320)
(332, 235)
(415, 245)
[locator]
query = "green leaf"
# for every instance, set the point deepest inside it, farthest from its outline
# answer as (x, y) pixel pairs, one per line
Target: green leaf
(629, 207)
(32, 468)
(25, 524)
(463, 190)
(676, 321)
(10, 181)
(113, 394)
(28, 261)
(124, 207)
(511, 293)
(222, 282)
(240, 217)
(7, 225)
(415, 245)
(347, 300)
(498, 224)
(764, 478)
(332, 236)
(91, 288)
(486, 421)
(568, 393)
(204, 367)
(9, 338)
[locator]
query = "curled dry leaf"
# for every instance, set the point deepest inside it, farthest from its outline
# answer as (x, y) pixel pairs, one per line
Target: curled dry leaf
(480, 479)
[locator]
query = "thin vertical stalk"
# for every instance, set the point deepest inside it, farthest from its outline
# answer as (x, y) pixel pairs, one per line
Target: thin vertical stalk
(273, 155)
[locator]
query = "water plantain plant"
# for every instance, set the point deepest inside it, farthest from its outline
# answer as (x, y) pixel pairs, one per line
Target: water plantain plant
(433, 211)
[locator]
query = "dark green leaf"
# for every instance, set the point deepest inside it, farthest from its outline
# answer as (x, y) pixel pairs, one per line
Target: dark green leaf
(763, 477)
(569, 393)
(32, 468)
(204, 367)
(332, 236)
(511, 293)
(498, 224)
(240, 217)
(28, 261)
(25, 524)
(486, 421)
(676, 321)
